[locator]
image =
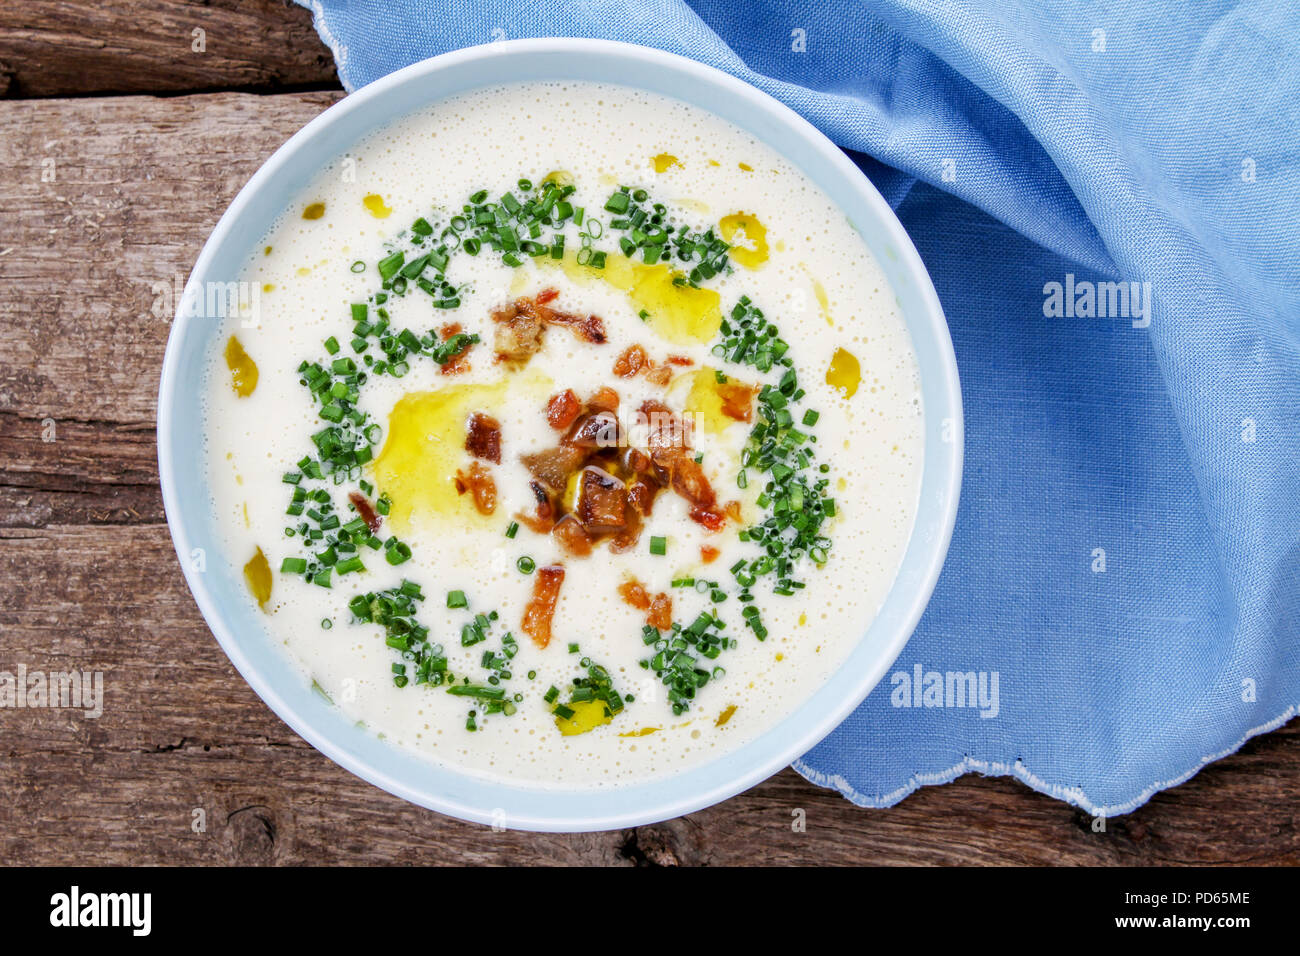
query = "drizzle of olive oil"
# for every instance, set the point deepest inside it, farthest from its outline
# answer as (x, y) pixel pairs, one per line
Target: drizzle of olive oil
(257, 575)
(681, 314)
(425, 446)
(823, 302)
(725, 716)
(374, 204)
(642, 732)
(243, 370)
(752, 251)
(844, 374)
(313, 210)
(587, 716)
(704, 401)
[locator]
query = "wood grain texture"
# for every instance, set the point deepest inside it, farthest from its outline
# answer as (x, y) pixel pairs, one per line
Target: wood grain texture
(58, 48)
(90, 581)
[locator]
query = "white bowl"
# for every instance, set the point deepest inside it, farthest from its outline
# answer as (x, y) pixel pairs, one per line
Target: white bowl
(218, 585)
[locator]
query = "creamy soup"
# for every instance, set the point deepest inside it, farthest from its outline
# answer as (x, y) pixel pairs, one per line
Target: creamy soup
(573, 438)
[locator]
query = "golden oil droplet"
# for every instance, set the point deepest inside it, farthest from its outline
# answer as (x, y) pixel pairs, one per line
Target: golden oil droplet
(257, 574)
(665, 161)
(374, 204)
(748, 238)
(243, 370)
(844, 374)
(587, 716)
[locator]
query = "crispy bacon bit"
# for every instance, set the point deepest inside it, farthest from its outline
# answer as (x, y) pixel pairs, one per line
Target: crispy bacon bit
(483, 437)
(478, 481)
(659, 608)
(641, 496)
(691, 483)
(597, 430)
(637, 462)
(659, 375)
(533, 523)
(708, 553)
(544, 509)
(601, 501)
(660, 615)
(521, 324)
(710, 518)
(589, 328)
(541, 609)
(667, 436)
(366, 510)
(605, 400)
(562, 409)
(634, 594)
(669, 442)
(571, 535)
(737, 400)
(459, 363)
(552, 466)
(518, 335)
(626, 539)
(632, 361)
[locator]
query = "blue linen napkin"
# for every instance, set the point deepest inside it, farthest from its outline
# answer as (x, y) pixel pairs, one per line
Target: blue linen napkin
(1123, 587)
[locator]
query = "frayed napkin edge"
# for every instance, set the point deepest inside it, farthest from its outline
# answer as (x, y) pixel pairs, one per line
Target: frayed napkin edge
(1074, 796)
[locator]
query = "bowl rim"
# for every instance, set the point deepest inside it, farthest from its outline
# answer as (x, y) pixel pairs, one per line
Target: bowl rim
(949, 479)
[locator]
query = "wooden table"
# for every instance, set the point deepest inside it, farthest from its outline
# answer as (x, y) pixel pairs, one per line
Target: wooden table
(120, 144)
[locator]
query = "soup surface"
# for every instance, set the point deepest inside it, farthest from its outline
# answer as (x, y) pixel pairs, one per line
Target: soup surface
(569, 435)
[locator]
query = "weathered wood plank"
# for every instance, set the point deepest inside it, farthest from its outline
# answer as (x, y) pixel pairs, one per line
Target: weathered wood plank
(57, 48)
(90, 581)
(77, 472)
(105, 205)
